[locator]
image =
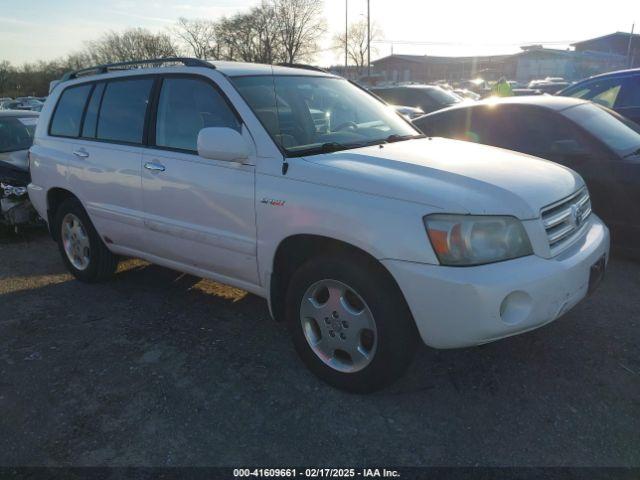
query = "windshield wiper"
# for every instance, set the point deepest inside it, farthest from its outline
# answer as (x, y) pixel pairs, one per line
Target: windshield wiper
(635, 153)
(399, 138)
(330, 147)
(327, 147)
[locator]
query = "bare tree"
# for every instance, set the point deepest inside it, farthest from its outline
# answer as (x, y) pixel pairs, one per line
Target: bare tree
(132, 44)
(198, 35)
(357, 42)
(6, 74)
(300, 25)
(274, 31)
(251, 36)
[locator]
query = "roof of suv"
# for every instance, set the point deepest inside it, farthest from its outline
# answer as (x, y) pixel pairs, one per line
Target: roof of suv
(231, 69)
(238, 69)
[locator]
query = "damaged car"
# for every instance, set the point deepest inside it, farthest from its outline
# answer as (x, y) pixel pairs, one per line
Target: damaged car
(16, 136)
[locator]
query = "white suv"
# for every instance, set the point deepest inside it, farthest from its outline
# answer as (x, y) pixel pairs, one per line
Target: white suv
(300, 187)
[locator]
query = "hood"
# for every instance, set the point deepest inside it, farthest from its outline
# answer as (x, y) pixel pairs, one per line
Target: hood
(17, 159)
(454, 176)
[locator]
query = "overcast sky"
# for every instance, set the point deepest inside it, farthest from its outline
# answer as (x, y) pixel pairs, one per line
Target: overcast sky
(46, 29)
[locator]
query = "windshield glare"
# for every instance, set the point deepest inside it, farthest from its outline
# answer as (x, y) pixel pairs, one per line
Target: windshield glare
(616, 132)
(303, 113)
(16, 133)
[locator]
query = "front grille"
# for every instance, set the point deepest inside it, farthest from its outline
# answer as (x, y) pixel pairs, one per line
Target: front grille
(565, 220)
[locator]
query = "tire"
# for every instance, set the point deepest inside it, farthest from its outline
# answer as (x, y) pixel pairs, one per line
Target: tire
(94, 263)
(385, 333)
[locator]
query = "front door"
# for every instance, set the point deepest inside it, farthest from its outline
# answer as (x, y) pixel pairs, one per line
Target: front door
(198, 212)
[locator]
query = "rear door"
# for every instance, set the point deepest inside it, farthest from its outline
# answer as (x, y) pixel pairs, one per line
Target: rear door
(106, 159)
(198, 212)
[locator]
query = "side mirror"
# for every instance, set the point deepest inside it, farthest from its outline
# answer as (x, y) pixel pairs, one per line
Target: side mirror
(222, 143)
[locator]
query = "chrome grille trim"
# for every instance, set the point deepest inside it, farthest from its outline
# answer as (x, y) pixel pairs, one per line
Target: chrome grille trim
(566, 219)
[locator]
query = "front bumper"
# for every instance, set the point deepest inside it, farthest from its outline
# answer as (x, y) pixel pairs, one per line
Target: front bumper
(462, 306)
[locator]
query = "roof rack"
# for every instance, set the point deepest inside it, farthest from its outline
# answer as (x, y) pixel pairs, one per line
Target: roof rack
(303, 66)
(155, 62)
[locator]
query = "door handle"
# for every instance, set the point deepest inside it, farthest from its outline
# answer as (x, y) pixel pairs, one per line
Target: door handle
(81, 153)
(154, 167)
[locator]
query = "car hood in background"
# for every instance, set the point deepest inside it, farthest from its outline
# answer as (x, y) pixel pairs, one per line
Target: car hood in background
(454, 176)
(17, 159)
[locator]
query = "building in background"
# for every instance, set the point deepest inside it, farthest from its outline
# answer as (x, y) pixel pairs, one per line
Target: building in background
(536, 62)
(586, 58)
(613, 44)
(427, 68)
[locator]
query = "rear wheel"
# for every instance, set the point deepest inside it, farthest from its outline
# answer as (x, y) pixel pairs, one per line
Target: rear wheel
(349, 322)
(82, 250)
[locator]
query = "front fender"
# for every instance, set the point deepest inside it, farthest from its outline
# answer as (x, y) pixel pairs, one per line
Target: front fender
(384, 228)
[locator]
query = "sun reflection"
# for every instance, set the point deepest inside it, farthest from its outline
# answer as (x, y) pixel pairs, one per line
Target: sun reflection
(32, 282)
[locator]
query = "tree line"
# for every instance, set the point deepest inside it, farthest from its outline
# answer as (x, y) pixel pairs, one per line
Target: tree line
(275, 31)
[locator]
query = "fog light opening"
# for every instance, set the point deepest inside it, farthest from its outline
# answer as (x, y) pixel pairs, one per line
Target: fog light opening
(515, 308)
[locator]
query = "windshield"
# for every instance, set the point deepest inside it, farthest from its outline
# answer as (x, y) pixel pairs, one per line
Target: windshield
(16, 133)
(308, 115)
(444, 97)
(616, 132)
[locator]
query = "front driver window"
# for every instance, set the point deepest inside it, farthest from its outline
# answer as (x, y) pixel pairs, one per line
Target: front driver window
(186, 106)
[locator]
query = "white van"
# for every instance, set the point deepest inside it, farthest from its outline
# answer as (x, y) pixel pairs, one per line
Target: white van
(302, 188)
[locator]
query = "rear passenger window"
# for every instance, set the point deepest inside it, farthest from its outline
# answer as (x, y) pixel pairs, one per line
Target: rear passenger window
(91, 117)
(68, 115)
(186, 106)
(123, 111)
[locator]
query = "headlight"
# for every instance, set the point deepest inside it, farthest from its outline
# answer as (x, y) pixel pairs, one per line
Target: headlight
(464, 240)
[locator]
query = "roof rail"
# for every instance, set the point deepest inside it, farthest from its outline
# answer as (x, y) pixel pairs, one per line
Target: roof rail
(154, 62)
(303, 66)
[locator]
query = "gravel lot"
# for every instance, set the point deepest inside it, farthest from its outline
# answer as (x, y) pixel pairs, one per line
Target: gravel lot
(161, 368)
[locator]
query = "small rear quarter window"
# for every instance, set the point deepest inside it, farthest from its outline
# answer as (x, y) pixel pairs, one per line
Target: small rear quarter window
(68, 113)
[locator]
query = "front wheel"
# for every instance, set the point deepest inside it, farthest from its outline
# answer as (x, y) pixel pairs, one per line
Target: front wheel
(82, 250)
(350, 323)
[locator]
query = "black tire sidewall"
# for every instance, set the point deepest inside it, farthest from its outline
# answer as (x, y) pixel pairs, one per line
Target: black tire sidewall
(396, 332)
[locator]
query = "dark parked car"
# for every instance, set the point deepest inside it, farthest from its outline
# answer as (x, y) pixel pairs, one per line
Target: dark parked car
(601, 145)
(619, 91)
(16, 136)
(427, 97)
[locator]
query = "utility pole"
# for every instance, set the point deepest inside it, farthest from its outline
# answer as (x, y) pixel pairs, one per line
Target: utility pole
(633, 26)
(369, 40)
(346, 37)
